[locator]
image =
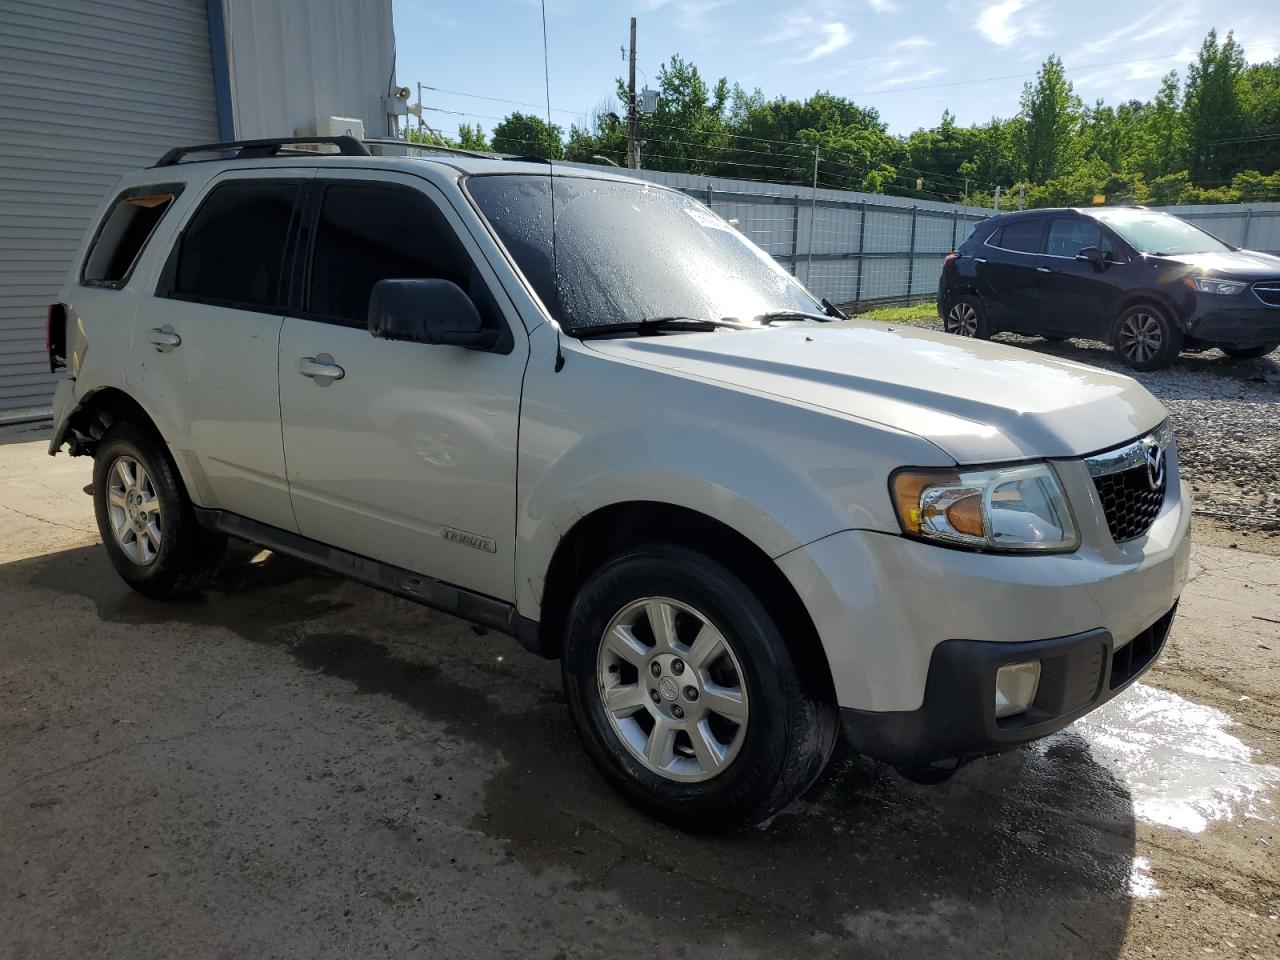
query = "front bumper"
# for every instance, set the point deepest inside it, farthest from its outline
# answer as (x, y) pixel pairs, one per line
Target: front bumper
(957, 720)
(1241, 320)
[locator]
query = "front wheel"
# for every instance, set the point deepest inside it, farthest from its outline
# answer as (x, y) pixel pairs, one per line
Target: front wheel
(685, 695)
(145, 519)
(967, 317)
(1249, 353)
(1145, 338)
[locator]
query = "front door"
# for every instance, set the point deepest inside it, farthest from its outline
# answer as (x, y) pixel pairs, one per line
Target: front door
(1075, 296)
(204, 357)
(401, 452)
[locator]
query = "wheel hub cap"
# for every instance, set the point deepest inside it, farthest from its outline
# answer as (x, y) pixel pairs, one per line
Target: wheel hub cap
(672, 688)
(134, 510)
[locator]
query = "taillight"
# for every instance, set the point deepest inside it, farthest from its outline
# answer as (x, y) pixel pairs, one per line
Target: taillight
(55, 336)
(946, 261)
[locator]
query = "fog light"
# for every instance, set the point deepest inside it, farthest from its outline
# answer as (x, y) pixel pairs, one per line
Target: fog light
(1016, 685)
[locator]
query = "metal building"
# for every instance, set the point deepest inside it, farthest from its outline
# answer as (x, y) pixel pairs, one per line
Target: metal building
(91, 89)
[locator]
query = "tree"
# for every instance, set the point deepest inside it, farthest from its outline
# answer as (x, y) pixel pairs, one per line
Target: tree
(1050, 115)
(526, 135)
(1213, 115)
(472, 138)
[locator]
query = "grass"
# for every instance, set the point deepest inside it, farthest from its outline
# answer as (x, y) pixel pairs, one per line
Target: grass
(924, 310)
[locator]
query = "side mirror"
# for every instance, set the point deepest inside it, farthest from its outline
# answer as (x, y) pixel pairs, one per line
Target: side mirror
(1092, 255)
(427, 311)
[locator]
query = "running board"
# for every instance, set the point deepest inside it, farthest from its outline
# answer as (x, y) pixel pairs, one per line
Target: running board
(462, 603)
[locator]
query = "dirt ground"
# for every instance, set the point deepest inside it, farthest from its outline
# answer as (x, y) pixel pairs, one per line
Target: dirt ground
(297, 766)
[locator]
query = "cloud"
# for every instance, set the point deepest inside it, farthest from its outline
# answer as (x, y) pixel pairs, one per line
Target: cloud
(914, 43)
(997, 23)
(692, 16)
(838, 36)
(882, 6)
(913, 77)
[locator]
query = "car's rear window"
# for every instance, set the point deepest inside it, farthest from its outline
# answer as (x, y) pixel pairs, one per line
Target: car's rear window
(124, 232)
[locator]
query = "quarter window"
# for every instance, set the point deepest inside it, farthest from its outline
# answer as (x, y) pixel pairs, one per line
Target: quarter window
(370, 232)
(123, 233)
(1023, 236)
(232, 251)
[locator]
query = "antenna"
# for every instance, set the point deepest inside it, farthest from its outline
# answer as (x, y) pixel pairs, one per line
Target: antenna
(551, 173)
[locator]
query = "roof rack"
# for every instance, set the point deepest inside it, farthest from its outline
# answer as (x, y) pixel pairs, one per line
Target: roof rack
(428, 148)
(253, 149)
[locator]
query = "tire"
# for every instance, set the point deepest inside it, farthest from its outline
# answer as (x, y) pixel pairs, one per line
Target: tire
(753, 768)
(1144, 338)
(967, 317)
(162, 551)
(1249, 353)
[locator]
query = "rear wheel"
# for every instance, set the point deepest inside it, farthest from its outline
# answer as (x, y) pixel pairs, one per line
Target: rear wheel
(967, 318)
(145, 519)
(685, 695)
(1145, 338)
(1249, 353)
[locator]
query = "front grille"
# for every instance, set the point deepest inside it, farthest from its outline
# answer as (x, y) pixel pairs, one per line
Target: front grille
(1134, 657)
(1268, 292)
(1131, 482)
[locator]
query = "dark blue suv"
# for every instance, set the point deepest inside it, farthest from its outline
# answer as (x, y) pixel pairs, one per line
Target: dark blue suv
(1148, 283)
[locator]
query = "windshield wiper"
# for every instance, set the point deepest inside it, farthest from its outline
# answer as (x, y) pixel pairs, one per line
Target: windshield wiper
(832, 312)
(651, 325)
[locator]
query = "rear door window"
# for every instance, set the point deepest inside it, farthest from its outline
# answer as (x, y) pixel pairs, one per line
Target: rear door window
(1023, 236)
(124, 232)
(371, 231)
(232, 251)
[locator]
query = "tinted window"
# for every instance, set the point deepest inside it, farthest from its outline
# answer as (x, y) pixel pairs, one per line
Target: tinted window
(1067, 237)
(1023, 236)
(123, 233)
(372, 232)
(232, 251)
(627, 250)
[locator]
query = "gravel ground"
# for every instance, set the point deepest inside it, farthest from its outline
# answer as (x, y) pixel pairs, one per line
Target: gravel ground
(1227, 416)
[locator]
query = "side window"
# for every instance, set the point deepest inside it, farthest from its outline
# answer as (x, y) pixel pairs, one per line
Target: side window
(1067, 237)
(369, 232)
(232, 251)
(123, 233)
(1023, 236)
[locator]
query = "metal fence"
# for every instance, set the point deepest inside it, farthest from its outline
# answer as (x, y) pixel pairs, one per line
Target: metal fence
(860, 249)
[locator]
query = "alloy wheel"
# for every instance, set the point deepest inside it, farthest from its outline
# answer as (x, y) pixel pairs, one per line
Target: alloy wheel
(1140, 337)
(134, 510)
(673, 689)
(962, 319)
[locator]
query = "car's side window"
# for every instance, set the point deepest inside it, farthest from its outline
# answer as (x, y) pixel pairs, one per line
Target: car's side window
(1068, 237)
(373, 231)
(231, 253)
(1023, 236)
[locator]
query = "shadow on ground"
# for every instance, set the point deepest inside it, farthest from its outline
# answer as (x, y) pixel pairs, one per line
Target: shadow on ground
(1028, 854)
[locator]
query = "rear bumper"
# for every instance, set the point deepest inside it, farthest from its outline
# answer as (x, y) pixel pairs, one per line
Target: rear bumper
(957, 719)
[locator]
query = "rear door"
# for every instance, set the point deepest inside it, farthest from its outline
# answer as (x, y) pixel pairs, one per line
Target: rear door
(1076, 297)
(1008, 279)
(408, 456)
(204, 359)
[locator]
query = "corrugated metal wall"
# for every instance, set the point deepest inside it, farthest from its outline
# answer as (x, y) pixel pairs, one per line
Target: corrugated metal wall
(294, 60)
(1254, 226)
(89, 89)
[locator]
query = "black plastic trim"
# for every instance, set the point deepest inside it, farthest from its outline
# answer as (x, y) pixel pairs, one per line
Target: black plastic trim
(460, 602)
(957, 719)
(270, 147)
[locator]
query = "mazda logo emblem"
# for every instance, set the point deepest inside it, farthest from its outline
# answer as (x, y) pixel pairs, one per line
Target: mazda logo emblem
(1154, 455)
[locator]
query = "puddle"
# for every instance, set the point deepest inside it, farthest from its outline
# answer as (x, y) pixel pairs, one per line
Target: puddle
(1179, 763)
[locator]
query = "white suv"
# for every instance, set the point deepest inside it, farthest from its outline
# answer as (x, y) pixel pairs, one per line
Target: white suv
(634, 443)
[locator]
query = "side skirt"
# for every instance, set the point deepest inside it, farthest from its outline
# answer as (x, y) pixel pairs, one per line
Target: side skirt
(458, 601)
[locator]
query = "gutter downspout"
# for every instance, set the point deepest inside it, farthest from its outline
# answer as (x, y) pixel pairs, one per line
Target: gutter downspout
(221, 61)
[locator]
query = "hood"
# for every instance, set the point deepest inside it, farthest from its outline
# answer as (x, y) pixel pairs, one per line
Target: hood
(979, 402)
(1232, 264)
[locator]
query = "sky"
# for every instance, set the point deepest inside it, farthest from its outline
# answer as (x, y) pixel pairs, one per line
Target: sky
(909, 60)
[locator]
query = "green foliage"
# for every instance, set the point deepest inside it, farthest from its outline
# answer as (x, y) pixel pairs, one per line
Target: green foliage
(1214, 139)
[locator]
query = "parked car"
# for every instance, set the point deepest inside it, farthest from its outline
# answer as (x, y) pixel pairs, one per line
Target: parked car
(1148, 283)
(643, 449)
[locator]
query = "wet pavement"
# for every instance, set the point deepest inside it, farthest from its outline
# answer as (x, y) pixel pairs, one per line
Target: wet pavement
(294, 765)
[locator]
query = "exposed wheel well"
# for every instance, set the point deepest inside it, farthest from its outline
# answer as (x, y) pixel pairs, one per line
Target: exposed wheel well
(604, 533)
(96, 415)
(1142, 299)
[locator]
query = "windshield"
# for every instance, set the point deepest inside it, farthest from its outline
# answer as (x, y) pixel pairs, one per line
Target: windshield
(1159, 233)
(627, 251)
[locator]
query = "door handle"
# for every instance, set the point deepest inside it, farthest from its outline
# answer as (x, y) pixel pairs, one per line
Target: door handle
(165, 339)
(321, 367)
(979, 259)
(1043, 270)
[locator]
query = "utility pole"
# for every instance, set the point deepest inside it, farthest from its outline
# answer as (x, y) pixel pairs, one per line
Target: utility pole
(995, 203)
(966, 191)
(813, 218)
(1022, 194)
(419, 109)
(631, 101)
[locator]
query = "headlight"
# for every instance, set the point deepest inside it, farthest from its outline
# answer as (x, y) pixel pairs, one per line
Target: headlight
(1018, 508)
(1210, 285)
